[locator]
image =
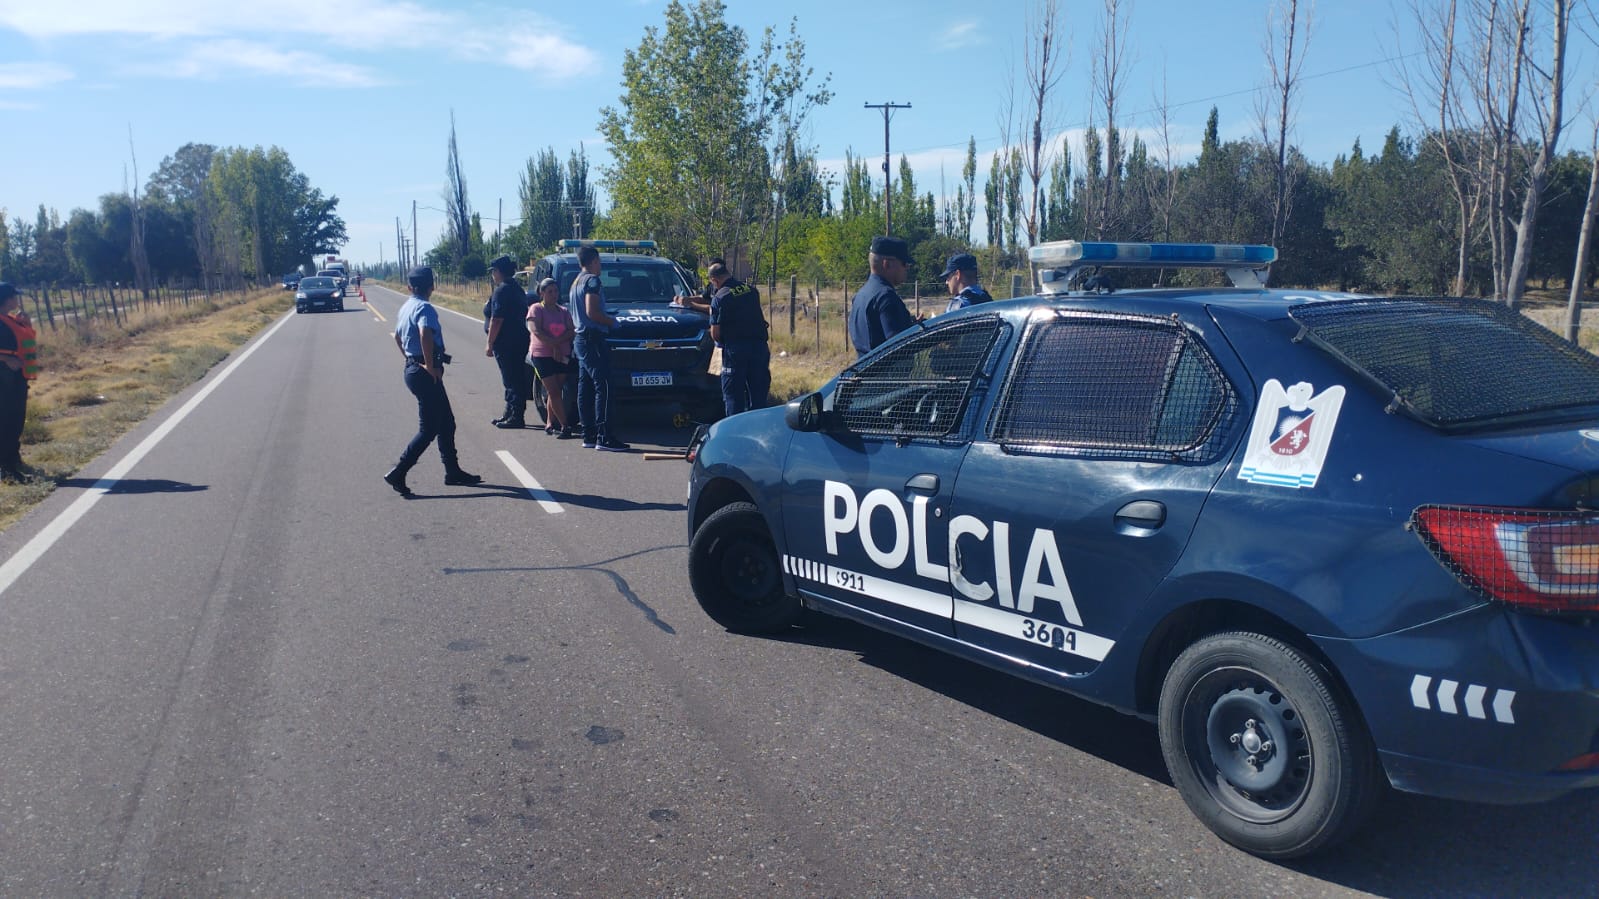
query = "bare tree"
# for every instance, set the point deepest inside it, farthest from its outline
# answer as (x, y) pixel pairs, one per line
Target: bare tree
(456, 206)
(1044, 59)
(1549, 85)
(1433, 85)
(1162, 185)
(1499, 37)
(1579, 274)
(1287, 39)
(136, 250)
(1108, 72)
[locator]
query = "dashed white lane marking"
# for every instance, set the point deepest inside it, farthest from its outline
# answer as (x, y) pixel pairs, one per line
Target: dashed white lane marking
(58, 526)
(534, 488)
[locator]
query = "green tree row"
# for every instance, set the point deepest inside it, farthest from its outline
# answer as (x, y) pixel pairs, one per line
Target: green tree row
(207, 215)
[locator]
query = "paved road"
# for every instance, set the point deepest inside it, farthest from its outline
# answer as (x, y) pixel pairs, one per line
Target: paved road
(249, 667)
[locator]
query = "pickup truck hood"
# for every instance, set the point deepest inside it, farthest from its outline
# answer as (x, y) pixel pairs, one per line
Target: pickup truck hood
(651, 321)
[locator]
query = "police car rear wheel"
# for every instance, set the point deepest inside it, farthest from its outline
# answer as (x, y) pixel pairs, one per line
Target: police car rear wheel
(735, 573)
(1262, 747)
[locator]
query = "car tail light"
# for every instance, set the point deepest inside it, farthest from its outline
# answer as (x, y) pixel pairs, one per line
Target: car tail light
(1545, 561)
(1581, 763)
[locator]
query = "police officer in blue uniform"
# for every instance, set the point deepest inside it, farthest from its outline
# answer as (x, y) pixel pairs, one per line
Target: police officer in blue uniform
(877, 312)
(508, 341)
(739, 327)
(960, 276)
(421, 341)
(594, 324)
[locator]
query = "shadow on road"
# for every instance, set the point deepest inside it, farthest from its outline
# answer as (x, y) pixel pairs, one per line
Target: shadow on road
(1411, 846)
(136, 485)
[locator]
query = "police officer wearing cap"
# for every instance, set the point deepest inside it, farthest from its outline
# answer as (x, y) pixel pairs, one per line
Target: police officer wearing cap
(877, 312)
(417, 334)
(960, 276)
(738, 326)
(505, 313)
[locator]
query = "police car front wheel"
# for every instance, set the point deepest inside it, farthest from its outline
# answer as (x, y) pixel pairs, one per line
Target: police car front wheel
(736, 575)
(1262, 746)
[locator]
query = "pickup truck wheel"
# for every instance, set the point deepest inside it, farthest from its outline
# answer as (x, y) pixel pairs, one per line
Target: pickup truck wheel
(736, 574)
(1263, 747)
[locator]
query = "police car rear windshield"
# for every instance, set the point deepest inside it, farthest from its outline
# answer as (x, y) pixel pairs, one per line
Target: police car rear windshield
(1457, 363)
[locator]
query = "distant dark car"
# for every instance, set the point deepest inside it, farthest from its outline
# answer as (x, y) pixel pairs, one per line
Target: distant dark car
(319, 293)
(1327, 543)
(291, 280)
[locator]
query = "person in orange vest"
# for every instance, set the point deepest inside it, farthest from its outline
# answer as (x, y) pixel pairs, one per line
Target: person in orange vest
(19, 364)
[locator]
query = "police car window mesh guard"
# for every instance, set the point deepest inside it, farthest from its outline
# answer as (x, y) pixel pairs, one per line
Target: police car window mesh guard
(1455, 363)
(921, 387)
(1121, 386)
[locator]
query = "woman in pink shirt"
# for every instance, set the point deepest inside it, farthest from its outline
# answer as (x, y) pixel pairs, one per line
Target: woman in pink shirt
(550, 353)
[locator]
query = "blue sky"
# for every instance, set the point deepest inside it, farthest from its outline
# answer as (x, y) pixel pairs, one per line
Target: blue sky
(359, 92)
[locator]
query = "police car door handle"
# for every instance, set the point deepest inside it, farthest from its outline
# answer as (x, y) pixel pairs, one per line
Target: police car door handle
(925, 484)
(1141, 515)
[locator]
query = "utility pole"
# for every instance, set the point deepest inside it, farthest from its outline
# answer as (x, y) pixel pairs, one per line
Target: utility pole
(888, 179)
(415, 261)
(499, 226)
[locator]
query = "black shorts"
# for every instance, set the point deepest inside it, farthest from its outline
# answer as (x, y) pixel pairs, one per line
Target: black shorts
(546, 366)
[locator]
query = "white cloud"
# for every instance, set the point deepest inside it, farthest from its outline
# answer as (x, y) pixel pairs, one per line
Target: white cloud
(960, 34)
(21, 76)
(222, 58)
(533, 43)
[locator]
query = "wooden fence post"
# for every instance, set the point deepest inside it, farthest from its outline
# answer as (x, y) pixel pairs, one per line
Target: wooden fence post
(793, 300)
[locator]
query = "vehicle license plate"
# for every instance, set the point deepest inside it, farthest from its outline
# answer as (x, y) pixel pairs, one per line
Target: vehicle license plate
(652, 379)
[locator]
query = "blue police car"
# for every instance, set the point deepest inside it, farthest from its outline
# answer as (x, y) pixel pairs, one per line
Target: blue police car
(1328, 543)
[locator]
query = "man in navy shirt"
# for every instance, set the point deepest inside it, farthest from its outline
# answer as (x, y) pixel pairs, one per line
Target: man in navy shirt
(739, 327)
(877, 312)
(594, 324)
(421, 342)
(960, 276)
(508, 341)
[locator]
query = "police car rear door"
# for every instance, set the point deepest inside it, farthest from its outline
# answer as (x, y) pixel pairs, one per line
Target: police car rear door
(1108, 434)
(865, 502)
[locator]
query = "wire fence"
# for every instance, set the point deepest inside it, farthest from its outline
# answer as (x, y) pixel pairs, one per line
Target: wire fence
(58, 305)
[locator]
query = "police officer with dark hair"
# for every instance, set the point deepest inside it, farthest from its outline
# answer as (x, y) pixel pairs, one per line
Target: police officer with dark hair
(594, 324)
(960, 276)
(417, 334)
(739, 327)
(877, 312)
(508, 341)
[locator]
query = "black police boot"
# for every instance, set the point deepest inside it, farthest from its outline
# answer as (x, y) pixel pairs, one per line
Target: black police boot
(462, 478)
(515, 422)
(396, 479)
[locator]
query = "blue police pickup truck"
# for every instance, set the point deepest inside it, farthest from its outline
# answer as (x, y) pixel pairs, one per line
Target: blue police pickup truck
(660, 351)
(1329, 544)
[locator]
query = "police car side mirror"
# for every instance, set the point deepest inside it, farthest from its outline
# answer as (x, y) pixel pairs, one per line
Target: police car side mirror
(806, 414)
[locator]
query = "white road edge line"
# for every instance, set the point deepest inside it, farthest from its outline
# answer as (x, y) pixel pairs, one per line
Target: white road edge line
(534, 488)
(57, 528)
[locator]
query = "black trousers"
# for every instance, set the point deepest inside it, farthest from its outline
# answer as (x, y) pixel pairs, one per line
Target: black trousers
(517, 377)
(13, 411)
(435, 419)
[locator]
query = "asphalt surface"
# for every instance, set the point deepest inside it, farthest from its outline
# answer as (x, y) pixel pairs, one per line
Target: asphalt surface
(250, 668)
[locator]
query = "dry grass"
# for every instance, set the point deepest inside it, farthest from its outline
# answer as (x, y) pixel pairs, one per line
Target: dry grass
(100, 379)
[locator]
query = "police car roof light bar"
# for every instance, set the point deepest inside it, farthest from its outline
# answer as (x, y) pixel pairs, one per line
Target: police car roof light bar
(1058, 262)
(571, 244)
